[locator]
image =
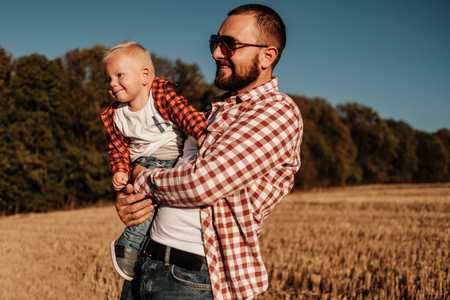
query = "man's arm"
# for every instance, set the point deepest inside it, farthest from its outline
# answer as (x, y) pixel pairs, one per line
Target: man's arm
(263, 141)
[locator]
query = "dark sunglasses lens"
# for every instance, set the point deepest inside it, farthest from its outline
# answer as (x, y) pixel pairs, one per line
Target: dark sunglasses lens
(227, 44)
(213, 43)
(213, 46)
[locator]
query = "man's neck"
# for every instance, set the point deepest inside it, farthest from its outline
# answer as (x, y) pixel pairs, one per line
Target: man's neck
(258, 82)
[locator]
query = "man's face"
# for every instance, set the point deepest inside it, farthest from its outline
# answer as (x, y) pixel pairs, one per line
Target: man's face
(241, 70)
(239, 78)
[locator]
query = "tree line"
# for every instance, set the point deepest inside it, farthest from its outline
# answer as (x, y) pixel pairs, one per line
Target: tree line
(53, 152)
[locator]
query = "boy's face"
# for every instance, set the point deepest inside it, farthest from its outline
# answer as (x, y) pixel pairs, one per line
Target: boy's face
(126, 77)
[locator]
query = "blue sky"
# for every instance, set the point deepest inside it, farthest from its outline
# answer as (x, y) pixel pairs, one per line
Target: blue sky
(393, 56)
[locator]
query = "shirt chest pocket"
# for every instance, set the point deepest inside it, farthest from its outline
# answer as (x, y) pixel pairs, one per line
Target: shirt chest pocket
(220, 125)
(224, 119)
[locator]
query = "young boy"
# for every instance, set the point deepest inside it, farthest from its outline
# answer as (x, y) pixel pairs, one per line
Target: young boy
(145, 124)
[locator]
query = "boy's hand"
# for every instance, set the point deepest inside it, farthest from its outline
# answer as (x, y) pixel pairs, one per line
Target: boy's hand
(200, 140)
(119, 180)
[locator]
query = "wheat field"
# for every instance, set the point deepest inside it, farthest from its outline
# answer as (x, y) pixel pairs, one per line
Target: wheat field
(367, 242)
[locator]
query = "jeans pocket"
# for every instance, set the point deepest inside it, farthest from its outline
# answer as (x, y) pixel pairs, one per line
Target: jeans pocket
(198, 280)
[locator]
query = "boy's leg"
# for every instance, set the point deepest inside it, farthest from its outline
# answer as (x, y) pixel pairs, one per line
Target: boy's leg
(151, 162)
(136, 234)
(125, 250)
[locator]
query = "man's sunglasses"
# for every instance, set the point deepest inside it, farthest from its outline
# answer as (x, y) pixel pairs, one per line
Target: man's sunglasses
(227, 44)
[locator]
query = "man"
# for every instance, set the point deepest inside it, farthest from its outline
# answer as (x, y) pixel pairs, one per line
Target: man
(244, 167)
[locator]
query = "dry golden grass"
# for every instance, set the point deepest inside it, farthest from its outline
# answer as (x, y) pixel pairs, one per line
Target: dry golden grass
(370, 242)
(375, 242)
(60, 255)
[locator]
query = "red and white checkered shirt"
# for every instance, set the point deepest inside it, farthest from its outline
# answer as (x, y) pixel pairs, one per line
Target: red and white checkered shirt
(245, 166)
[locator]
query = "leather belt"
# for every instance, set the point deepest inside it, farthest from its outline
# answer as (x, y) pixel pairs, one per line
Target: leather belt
(172, 256)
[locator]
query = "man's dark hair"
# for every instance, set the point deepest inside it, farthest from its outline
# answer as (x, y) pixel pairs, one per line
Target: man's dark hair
(270, 24)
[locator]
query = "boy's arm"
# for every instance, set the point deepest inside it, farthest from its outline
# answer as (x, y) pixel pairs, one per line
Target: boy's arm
(181, 113)
(119, 162)
(118, 146)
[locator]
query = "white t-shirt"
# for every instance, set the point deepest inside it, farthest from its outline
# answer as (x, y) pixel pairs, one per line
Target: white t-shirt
(178, 227)
(150, 133)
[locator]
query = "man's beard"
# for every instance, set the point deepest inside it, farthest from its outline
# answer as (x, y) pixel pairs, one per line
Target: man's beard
(235, 82)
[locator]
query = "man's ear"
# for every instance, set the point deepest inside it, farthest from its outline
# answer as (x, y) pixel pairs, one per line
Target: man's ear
(268, 56)
(146, 75)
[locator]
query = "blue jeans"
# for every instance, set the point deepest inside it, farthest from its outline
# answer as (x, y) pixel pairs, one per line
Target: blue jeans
(157, 280)
(136, 234)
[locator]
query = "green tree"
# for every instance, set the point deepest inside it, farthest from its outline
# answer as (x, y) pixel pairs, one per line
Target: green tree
(6, 65)
(328, 153)
(404, 161)
(37, 89)
(191, 84)
(444, 136)
(189, 79)
(5, 71)
(374, 140)
(433, 158)
(85, 143)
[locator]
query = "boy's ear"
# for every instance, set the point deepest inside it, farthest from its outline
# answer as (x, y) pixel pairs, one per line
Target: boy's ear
(146, 75)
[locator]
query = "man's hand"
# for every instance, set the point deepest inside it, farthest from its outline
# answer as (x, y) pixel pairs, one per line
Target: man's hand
(133, 209)
(200, 140)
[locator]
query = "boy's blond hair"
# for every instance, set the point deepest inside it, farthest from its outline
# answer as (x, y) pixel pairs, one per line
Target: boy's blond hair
(131, 48)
